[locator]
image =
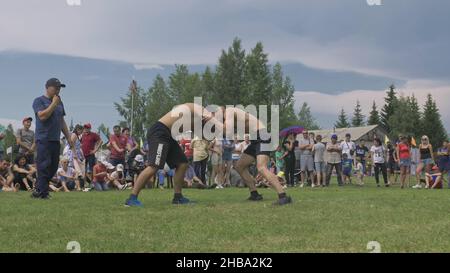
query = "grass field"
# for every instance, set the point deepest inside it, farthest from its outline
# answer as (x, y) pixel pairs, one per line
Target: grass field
(320, 220)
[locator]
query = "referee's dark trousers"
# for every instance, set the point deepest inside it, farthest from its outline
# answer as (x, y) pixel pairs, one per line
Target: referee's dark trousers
(47, 162)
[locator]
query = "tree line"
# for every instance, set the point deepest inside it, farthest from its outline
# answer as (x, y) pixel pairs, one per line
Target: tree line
(400, 115)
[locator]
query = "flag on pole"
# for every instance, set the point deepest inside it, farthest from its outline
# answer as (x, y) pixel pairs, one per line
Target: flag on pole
(9, 151)
(386, 140)
(104, 138)
(133, 86)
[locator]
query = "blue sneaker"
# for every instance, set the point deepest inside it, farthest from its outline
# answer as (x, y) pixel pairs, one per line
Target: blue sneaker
(133, 202)
(182, 201)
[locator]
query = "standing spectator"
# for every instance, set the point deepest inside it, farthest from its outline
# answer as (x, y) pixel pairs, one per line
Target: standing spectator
(131, 142)
(306, 159)
(186, 147)
(132, 149)
(100, 176)
(359, 170)
(444, 159)
(403, 157)
(238, 150)
(25, 140)
(6, 176)
(75, 155)
(378, 153)
(334, 153)
(348, 147)
(227, 160)
(24, 174)
(68, 177)
(118, 146)
(392, 165)
(289, 159)
(200, 157)
(347, 167)
(426, 159)
(2, 141)
(50, 122)
(90, 144)
(319, 160)
(361, 153)
(279, 161)
(216, 149)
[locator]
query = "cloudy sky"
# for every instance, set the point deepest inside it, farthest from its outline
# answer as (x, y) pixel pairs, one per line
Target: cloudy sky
(343, 50)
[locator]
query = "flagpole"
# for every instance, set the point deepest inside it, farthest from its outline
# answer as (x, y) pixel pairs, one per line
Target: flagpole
(133, 90)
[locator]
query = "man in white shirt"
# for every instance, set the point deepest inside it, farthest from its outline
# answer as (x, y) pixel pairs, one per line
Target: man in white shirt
(349, 147)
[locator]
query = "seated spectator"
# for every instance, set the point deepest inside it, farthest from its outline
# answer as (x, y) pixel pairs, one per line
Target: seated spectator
(6, 177)
(433, 178)
(68, 177)
(117, 178)
(162, 174)
(55, 184)
(100, 176)
(191, 180)
(24, 174)
(136, 167)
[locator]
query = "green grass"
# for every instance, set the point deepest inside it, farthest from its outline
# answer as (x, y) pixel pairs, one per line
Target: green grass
(320, 220)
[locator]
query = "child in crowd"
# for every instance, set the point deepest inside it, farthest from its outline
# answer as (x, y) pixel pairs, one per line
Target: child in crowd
(359, 171)
(347, 165)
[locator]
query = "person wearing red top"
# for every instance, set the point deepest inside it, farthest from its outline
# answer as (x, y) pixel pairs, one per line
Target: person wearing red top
(90, 143)
(100, 176)
(186, 146)
(403, 159)
(118, 146)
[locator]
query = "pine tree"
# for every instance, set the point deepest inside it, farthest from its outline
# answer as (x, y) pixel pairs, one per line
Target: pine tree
(229, 78)
(389, 107)
(342, 121)
(374, 118)
(432, 123)
(283, 96)
(159, 102)
(257, 78)
(306, 119)
(207, 86)
(358, 117)
(135, 99)
(415, 116)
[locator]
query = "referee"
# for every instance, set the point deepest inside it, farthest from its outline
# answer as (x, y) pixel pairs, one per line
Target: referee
(50, 113)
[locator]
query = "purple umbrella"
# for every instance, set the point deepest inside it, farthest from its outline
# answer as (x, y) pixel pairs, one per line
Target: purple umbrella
(291, 130)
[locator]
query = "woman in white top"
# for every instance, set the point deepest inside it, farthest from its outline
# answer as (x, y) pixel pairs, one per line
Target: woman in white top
(216, 149)
(379, 154)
